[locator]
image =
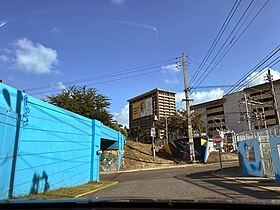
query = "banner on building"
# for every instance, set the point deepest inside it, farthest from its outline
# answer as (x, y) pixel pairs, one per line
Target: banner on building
(142, 108)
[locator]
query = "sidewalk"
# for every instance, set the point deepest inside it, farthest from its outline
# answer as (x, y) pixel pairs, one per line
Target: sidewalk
(235, 173)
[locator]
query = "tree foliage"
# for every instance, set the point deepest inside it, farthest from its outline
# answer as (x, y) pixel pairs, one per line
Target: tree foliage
(179, 123)
(84, 101)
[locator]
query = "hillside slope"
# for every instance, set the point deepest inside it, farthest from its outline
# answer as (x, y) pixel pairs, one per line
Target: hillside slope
(138, 155)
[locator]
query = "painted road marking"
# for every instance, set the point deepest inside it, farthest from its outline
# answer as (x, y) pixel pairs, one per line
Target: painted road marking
(95, 190)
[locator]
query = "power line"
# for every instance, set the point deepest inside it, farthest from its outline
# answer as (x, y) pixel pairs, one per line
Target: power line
(262, 62)
(118, 73)
(113, 80)
(217, 38)
(247, 82)
(212, 86)
(271, 65)
(219, 67)
(201, 79)
(224, 54)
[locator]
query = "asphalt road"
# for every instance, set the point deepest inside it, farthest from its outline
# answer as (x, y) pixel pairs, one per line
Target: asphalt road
(195, 182)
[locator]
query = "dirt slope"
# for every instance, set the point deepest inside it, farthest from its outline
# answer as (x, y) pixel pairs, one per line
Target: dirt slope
(138, 155)
(214, 157)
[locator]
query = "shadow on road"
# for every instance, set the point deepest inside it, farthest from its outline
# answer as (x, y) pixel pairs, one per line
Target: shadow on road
(230, 188)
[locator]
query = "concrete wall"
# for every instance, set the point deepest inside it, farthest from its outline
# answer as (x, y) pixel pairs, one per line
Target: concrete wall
(232, 112)
(45, 147)
(203, 115)
(277, 93)
(249, 165)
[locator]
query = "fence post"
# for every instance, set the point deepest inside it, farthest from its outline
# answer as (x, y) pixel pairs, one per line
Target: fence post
(16, 142)
(95, 146)
(120, 148)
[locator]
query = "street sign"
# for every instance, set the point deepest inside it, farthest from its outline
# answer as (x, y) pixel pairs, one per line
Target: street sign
(153, 132)
(217, 139)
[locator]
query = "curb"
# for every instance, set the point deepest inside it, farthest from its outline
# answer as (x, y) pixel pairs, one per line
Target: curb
(154, 169)
(243, 182)
(95, 190)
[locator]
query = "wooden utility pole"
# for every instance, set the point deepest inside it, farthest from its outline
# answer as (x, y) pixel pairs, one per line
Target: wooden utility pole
(248, 117)
(270, 79)
(153, 132)
(186, 86)
(166, 130)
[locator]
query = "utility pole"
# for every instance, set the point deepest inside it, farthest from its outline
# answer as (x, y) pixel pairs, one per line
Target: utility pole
(264, 118)
(166, 130)
(270, 79)
(248, 118)
(153, 132)
(186, 86)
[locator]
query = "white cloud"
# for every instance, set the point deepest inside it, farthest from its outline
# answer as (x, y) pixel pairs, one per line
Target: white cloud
(32, 58)
(117, 2)
(171, 81)
(122, 116)
(179, 96)
(204, 96)
(4, 58)
(61, 85)
(2, 24)
(171, 68)
(6, 50)
(260, 79)
(56, 31)
(198, 97)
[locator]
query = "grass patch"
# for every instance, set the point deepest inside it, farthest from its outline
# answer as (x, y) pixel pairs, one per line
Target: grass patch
(68, 192)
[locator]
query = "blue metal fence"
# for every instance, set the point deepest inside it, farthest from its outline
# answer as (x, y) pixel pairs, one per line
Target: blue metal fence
(259, 152)
(44, 147)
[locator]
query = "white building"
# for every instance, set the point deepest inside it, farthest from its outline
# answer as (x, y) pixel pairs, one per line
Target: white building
(253, 107)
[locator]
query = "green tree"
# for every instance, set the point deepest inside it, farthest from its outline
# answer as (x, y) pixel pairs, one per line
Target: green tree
(136, 133)
(197, 123)
(179, 123)
(124, 132)
(84, 101)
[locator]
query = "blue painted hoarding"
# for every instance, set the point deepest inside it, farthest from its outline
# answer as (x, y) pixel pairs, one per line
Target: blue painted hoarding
(249, 157)
(45, 147)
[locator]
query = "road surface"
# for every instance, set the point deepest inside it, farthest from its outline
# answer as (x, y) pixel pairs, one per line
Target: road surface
(195, 182)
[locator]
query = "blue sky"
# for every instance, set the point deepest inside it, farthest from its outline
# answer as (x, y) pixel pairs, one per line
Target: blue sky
(48, 43)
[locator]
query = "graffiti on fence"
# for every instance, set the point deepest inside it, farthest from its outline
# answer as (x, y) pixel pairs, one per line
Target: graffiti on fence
(26, 111)
(250, 153)
(109, 160)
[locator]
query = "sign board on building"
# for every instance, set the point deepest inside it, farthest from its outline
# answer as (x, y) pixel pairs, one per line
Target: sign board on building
(153, 132)
(142, 108)
(217, 139)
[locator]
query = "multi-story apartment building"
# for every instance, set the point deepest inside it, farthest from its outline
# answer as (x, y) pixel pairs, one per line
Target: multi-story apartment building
(251, 108)
(144, 109)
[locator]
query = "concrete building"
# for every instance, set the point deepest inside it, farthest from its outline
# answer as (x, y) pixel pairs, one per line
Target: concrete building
(251, 108)
(142, 109)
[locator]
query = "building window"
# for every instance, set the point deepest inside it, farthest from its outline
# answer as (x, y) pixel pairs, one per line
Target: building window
(214, 107)
(215, 113)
